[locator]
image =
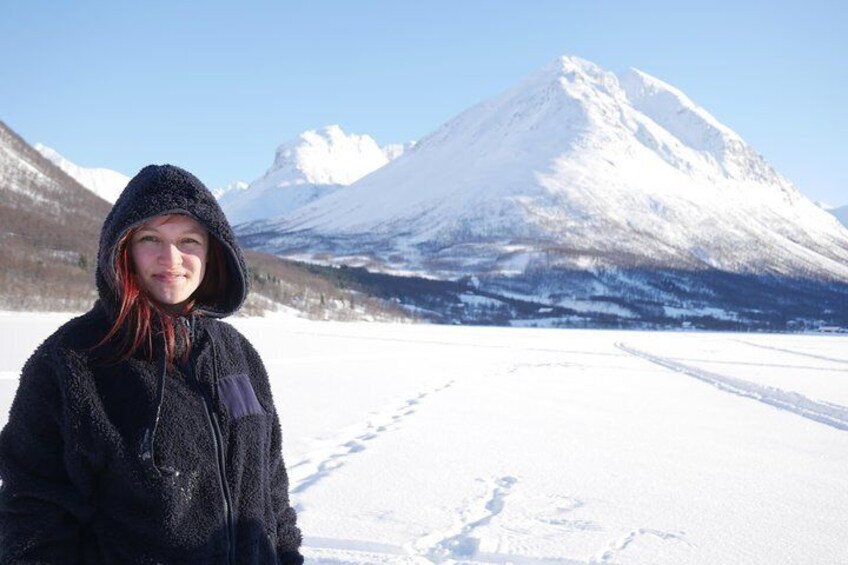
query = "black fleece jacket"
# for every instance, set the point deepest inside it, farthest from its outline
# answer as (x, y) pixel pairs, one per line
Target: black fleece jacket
(138, 462)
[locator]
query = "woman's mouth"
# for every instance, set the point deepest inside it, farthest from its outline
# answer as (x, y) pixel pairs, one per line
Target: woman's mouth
(169, 277)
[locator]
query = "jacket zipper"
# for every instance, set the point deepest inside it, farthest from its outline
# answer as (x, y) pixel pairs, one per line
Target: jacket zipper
(228, 500)
(218, 439)
(225, 489)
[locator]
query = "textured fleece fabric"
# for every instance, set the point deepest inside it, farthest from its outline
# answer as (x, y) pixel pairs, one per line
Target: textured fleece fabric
(136, 462)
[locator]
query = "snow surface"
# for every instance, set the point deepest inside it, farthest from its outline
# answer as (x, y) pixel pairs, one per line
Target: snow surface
(105, 183)
(434, 444)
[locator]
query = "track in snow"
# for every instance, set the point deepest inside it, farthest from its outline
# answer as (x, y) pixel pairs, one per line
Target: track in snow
(832, 415)
(320, 463)
(634, 536)
(458, 542)
(793, 352)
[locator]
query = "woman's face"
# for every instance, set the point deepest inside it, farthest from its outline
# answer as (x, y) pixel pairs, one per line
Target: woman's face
(169, 256)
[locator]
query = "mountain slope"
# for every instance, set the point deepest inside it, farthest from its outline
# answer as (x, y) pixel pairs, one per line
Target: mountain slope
(50, 228)
(105, 183)
(316, 163)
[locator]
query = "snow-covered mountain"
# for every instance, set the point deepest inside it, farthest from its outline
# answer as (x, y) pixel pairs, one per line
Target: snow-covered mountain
(314, 164)
(105, 183)
(573, 168)
(598, 193)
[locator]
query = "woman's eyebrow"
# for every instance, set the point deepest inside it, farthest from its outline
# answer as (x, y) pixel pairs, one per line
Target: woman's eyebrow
(190, 231)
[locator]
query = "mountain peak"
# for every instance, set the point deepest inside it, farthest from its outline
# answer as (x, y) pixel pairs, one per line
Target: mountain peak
(328, 156)
(333, 131)
(572, 63)
(578, 77)
(309, 166)
(231, 187)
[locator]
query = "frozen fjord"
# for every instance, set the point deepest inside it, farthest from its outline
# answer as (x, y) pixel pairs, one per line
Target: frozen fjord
(417, 444)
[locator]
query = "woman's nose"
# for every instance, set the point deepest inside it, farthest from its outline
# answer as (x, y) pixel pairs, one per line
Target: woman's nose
(171, 255)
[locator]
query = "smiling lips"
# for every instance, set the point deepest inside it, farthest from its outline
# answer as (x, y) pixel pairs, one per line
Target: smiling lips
(169, 277)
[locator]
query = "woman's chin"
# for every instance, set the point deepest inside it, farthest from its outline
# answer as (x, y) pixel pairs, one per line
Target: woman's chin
(173, 302)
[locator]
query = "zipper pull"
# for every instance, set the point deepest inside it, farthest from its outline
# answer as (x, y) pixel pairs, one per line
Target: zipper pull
(188, 322)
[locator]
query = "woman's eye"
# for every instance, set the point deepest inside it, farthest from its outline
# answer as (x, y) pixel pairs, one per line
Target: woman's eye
(191, 241)
(148, 238)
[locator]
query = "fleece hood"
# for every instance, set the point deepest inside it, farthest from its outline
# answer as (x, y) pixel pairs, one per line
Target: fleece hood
(167, 189)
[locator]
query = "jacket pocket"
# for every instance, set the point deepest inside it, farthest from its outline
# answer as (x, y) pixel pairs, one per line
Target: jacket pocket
(238, 396)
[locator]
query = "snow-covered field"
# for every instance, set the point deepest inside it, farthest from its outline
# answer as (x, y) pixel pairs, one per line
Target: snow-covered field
(418, 444)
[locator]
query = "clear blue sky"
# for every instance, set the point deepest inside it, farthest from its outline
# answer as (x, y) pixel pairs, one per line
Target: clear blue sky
(216, 86)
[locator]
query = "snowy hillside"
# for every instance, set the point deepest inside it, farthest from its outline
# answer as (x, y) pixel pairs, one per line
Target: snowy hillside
(466, 445)
(105, 183)
(49, 228)
(574, 168)
(316, 163)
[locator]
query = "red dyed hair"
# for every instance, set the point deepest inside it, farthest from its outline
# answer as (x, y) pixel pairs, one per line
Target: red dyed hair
(139, 317)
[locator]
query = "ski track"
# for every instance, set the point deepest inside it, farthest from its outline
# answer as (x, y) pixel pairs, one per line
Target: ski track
(827, 413)
(620, 545)
(762, 365)
(794, 352)
(322, 462)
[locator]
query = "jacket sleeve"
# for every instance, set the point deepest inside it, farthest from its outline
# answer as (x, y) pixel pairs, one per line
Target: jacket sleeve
(288, 534)
(42, 508)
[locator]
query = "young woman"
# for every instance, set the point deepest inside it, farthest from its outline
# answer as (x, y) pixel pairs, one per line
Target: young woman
(144, 431)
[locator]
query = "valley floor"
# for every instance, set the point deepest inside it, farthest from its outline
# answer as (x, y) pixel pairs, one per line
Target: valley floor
(442, 444)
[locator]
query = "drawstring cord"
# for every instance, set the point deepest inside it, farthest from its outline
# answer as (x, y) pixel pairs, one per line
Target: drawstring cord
(150, 433)
(148, 441)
